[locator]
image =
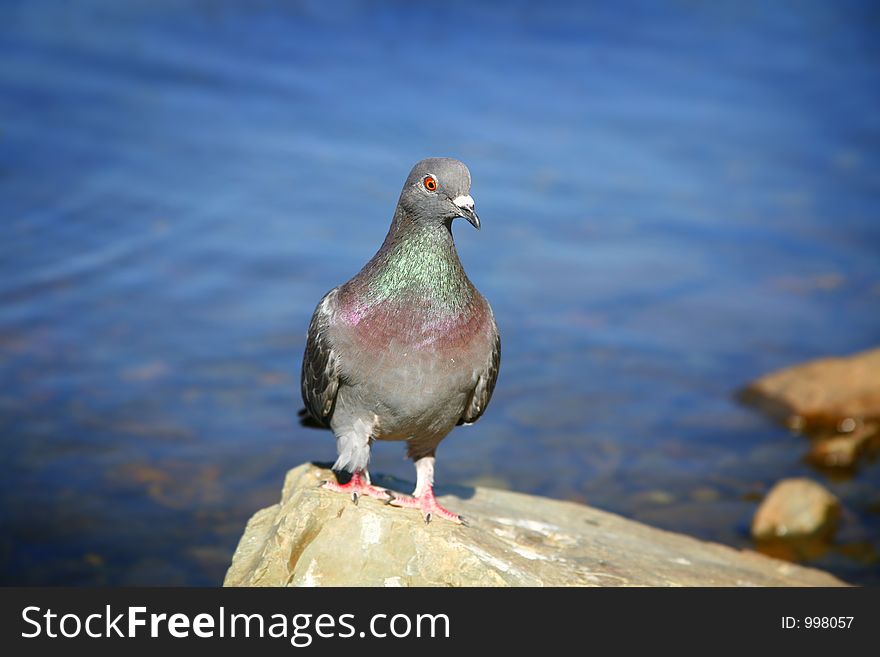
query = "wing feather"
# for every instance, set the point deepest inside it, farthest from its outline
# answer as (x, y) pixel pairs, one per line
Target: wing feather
(320, 368)
(484, 386)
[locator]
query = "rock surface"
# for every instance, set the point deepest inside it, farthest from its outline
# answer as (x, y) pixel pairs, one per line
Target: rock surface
(316, 537)
(794, 509)
(828, 394)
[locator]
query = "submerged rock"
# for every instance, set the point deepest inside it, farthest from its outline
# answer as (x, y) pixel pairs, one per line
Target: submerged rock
(795, 509)
(316, 537)
(842, 451)
(835, 401)
(831, 394)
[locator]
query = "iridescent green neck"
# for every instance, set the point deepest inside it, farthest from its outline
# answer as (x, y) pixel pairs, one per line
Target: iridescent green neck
(418, 263)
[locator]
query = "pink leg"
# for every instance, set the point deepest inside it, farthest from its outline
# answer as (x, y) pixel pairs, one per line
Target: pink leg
(358, 485)
(428, 505)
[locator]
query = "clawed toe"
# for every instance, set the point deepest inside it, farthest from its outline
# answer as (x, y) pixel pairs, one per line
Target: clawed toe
(428, 505)
(356, 487)
(425, 502)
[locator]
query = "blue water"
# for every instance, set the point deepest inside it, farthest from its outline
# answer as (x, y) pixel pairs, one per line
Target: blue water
(676, 198)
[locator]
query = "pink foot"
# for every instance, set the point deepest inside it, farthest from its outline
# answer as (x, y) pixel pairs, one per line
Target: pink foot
(429, 506)
(358, 486)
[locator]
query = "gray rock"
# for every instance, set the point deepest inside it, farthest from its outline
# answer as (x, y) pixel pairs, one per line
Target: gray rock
(794, 509)
(319, 538)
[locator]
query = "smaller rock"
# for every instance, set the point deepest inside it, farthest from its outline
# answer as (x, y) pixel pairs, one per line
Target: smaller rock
(843, 451)
(796, 509)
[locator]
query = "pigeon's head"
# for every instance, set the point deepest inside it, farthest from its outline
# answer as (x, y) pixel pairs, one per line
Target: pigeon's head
(439, 189)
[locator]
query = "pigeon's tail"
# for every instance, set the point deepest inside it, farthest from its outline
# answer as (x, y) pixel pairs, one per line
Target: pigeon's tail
(306, 420)
(353, 447)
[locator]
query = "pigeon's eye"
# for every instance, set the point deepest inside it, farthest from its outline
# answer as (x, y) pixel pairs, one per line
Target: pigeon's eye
(430, 183)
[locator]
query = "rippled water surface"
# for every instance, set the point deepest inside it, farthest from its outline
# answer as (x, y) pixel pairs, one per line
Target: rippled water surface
(675, 199)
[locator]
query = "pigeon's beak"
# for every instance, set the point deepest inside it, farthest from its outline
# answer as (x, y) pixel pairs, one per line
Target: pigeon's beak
(465, 205)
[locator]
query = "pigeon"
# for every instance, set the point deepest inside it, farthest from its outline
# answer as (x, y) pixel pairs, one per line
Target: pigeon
(408, 348)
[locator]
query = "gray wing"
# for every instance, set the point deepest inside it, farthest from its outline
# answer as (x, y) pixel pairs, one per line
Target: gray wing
(482, 391)
(320, 368)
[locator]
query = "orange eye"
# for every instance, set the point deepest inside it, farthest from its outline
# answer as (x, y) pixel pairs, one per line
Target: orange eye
(430, 183)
